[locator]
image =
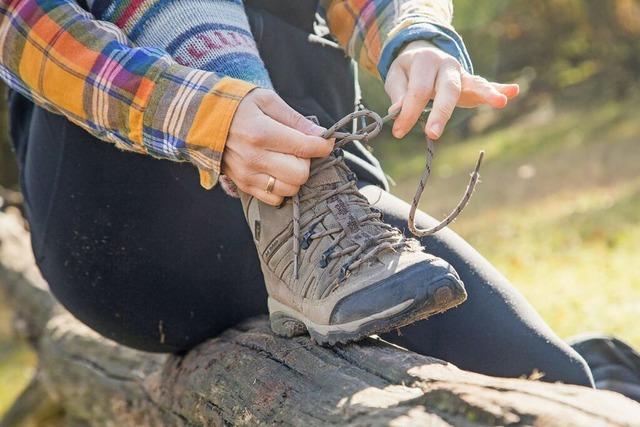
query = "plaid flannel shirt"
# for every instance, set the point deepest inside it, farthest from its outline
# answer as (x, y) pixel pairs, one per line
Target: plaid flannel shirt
(374, 31)
(60, 57)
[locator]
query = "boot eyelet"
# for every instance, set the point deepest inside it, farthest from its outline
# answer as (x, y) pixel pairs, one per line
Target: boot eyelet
(344, 273)
(324, 261)
(306, 240)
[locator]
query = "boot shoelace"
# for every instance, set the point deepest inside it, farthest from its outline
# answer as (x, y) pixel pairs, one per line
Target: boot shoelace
(388, 237)
(385, 240)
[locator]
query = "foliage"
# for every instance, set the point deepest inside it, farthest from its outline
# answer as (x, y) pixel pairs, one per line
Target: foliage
(565, 42)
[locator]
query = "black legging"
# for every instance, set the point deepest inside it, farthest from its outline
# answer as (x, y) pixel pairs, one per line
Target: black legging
(137, 250)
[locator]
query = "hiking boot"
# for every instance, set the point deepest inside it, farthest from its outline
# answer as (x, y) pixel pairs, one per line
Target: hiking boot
(348, 275)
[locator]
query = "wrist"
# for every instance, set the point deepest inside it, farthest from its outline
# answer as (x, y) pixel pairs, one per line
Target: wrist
(417, 45)
(443, 38)
(212, 122)
(192, 110)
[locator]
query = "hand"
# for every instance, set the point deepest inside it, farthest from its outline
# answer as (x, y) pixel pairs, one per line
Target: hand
(269, 138)
(423, 72)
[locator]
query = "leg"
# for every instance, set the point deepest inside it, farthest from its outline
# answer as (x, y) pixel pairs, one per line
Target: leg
(496, 331)
(132, 246)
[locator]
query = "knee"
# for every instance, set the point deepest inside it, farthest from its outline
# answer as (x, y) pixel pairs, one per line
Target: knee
(571, 368)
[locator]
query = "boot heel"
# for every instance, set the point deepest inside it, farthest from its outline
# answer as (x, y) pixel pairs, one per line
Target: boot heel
(286, 326)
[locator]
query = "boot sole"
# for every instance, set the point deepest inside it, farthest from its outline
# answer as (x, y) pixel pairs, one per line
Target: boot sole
(442, 296)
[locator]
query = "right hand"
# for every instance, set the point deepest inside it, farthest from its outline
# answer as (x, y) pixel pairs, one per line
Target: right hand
(269, 138)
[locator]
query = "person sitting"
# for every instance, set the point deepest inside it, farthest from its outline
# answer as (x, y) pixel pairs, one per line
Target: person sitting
(159, 258)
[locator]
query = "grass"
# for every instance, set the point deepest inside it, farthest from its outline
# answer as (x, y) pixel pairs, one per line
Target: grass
(558, 210)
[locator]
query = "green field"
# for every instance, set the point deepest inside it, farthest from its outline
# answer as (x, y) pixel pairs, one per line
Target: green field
(558, 212)
(17, 362)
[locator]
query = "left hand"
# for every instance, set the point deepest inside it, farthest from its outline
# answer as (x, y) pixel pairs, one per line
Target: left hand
(423, 72)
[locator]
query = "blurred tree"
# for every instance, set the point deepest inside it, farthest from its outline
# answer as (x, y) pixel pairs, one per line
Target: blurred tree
(566, 42)
(567, 50)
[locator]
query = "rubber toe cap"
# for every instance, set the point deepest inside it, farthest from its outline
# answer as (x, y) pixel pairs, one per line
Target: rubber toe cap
(433, 285)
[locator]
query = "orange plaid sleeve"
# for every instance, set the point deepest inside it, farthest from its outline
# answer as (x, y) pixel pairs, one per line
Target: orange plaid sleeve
(60, 57)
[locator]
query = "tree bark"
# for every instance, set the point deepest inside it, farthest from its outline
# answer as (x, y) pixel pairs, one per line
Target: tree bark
(248, 376)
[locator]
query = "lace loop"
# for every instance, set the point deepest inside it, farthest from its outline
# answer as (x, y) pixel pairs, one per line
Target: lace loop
(364, 134)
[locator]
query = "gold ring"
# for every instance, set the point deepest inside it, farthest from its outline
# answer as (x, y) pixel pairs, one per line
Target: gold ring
(270, 184)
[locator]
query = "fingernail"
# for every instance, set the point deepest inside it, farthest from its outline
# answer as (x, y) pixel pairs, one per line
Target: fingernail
(316, 130)
(436, 129)
(394, 107)
(398, 133)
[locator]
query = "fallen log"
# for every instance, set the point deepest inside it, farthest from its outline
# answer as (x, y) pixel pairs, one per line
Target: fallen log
(248, 376)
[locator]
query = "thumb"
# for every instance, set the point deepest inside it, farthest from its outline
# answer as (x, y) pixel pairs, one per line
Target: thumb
(395, 107)
(275, 107)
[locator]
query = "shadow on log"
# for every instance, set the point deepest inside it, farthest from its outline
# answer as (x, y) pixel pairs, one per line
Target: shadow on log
(248, 376)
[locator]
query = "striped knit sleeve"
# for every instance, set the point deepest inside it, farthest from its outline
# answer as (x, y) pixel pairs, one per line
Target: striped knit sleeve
(211, 35)
(374, 31)
(59, 56)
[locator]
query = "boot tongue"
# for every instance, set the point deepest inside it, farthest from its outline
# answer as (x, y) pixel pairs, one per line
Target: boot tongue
(345, 212)
(346, 216)
(328, 176)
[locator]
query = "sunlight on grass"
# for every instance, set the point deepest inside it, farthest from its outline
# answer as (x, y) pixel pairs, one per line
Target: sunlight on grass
(16, 368)
(17, 363)
(530, 135)
(558, 211)
(575, 258)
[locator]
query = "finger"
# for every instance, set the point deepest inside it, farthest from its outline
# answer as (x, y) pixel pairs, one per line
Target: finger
(280, 187)
(396, 84)
(242, 182)
(419, 91)
(510, 90)
(448, 89)
(283, 139)
(489, 94)
(275, 107)
(395, 107)
(285, 167)
(268, 198)
(477, 90)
